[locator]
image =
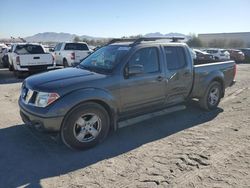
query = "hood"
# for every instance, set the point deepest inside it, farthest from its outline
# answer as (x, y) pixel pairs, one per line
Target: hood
(59, 79)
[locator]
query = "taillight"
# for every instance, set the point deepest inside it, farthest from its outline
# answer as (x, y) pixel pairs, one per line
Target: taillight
(18, 60)
(73, 56)
(235, 70)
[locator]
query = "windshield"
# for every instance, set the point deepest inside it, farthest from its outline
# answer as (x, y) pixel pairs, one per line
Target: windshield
(105, 58)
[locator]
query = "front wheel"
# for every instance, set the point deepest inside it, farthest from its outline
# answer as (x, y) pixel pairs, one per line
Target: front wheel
(85, 126)
(18, 74)
(65, 63)
(212, 97)
(10, 67)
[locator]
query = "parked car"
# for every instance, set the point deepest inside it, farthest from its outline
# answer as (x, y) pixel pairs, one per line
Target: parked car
(246, 52)
(71, 54)
(4, 57)
(120, 81)
(28, 57)
(236, 55)
(203, 57)
(219, 54)
(3, 51)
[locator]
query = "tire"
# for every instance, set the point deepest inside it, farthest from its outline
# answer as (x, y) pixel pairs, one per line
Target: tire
(212, 97)
(85, 126)
(10, 67)
(65, 63)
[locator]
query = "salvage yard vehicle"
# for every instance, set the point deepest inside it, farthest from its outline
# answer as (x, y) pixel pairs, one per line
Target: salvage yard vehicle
(71, 54)
(219, 54)
(202, 57)
(28, 57)
(236, 55)
(246, 52)
(124, 80)
(3, 52)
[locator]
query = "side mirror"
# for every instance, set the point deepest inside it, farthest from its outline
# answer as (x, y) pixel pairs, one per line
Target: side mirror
(51, 50)
(9, 50)
(135, 70)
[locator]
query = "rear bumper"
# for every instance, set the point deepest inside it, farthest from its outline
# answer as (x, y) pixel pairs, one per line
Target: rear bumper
(48, 124)
(35, 68)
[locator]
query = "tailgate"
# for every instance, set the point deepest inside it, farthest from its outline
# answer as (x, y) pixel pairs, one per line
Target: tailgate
(80, 54)
(36, 59)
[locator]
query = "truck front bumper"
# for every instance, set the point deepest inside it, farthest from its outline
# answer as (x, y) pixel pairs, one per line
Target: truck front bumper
(48, 124)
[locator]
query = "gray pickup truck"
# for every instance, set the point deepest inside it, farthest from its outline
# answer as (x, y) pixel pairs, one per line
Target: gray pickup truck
(122, 80)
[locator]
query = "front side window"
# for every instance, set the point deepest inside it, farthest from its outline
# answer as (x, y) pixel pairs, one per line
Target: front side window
(146, 57)
(58, 47)
(176, 58)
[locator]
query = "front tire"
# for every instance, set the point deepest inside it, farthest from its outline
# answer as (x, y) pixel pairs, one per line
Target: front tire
(18, 74)
(10, 67)
(212, 97)
(85, 126)
(65, 63)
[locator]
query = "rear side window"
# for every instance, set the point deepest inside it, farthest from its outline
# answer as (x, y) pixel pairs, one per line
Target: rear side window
(148, 58)
(176, 58)
(76, 46)
(29, 49)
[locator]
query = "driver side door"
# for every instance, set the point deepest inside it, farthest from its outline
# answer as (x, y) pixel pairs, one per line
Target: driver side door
(144, 91)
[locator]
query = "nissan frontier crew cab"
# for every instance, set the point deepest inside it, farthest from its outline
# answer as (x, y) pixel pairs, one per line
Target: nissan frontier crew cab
(122, 80)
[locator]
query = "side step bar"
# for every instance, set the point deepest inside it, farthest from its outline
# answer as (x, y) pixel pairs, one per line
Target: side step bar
(150, 115)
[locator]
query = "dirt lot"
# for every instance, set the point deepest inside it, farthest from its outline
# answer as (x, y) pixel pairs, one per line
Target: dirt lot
(190, 148)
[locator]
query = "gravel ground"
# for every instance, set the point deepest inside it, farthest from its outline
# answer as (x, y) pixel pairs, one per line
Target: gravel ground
(190, 148)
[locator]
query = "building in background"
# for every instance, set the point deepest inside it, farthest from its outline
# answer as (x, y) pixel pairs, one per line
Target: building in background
(229, 40)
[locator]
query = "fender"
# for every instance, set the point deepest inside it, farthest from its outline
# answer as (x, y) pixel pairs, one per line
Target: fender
(74, 98)
(212, 76)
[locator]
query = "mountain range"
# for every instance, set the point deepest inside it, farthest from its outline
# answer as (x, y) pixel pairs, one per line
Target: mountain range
(61, 37)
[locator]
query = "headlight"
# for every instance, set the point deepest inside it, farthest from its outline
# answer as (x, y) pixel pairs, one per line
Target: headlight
(44, 99)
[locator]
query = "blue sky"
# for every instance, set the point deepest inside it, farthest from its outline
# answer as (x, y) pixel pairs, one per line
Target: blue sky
(116, 18)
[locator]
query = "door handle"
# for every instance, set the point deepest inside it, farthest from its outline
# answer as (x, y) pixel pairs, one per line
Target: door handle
(159, 78)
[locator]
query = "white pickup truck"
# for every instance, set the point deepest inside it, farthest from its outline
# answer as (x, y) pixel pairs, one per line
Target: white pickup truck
(70, 53)
(28, 57)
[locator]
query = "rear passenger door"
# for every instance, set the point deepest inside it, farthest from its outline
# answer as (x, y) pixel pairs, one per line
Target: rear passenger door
(145, 91)
(179, 74)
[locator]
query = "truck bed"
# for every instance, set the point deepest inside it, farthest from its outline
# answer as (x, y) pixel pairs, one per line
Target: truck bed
(223, 72)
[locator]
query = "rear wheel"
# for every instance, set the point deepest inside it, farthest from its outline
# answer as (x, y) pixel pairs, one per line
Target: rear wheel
(85, 126)
(212, 97)
(18, 74)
